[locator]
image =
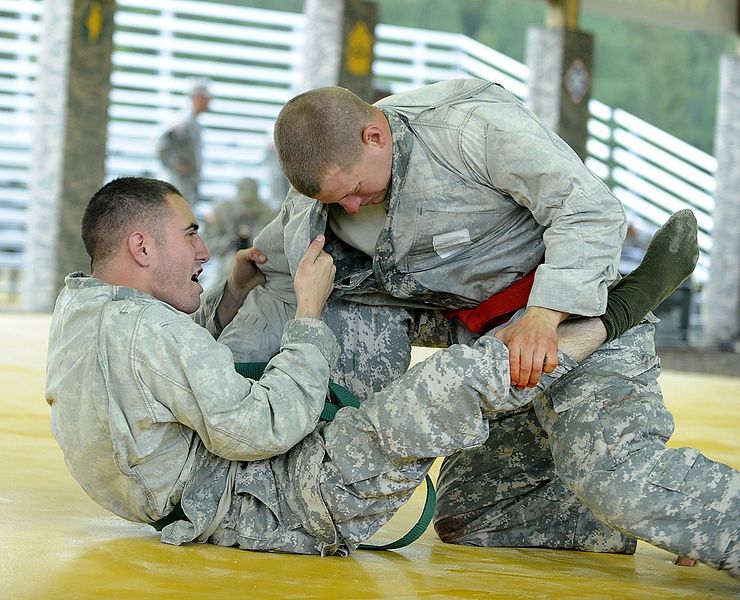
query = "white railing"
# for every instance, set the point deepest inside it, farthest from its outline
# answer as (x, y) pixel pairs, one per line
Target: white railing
(253, 60)
(653, 173)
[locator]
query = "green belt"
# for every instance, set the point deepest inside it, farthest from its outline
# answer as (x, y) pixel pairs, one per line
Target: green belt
(339, 397)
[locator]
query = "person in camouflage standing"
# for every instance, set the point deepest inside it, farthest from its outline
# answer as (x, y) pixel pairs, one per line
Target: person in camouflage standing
(179, 148)
(157, 426)
(444, 196)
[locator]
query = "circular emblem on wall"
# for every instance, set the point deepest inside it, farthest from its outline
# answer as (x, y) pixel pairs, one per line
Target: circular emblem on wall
(577, 81)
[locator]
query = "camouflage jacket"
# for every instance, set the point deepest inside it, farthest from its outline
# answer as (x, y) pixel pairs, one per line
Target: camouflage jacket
(481, 194)
(148, 409)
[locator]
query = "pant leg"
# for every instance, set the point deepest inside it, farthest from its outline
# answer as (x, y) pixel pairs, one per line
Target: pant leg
(313, 506)
(378, 454)
(608, 427)
(507, 493)
(374, 344)
(345, 480)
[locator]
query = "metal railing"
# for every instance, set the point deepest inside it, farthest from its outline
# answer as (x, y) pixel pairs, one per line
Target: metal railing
(653, 173)
(253, 58)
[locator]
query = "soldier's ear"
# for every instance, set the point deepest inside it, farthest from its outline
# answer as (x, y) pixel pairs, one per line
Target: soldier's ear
(374, 136)
(140, 248)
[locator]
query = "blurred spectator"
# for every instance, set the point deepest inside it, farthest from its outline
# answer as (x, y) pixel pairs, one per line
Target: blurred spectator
(179, 148)
(233, 224)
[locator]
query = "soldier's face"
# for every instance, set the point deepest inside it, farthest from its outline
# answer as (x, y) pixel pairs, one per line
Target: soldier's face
(200, 103)
(364, 184)
(179, 259)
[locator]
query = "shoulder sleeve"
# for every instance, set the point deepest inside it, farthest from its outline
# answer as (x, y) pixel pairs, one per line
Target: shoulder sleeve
(585, 222)
(183, 368)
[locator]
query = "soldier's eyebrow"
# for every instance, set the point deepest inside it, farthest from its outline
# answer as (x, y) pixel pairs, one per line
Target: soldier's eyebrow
(193, 227)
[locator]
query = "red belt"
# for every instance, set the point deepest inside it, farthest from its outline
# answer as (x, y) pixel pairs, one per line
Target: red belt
(497, 309)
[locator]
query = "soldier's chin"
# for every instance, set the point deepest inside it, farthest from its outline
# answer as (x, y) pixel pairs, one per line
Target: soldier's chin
(191, 306)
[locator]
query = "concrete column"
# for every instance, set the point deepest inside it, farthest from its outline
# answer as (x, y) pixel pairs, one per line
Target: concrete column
(560, 61)
(722, 303)
(322, 43)
(338, 45)
(69, 141)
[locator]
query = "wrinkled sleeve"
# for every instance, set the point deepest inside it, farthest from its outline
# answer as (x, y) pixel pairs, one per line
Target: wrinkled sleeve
(183, 369)
(278, 288)
(585, 222)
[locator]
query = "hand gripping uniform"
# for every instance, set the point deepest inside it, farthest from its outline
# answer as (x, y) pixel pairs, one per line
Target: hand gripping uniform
(480, 195)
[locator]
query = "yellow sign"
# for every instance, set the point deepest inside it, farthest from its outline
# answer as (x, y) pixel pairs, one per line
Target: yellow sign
(93, 22)
(359, 55)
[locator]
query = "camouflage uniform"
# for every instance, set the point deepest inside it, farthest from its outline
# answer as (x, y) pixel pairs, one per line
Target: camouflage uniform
(471, 208)
(593, 446)
(135, 387)
(149, 412)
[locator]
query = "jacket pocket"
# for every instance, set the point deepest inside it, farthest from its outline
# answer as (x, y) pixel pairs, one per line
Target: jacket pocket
(441, 237)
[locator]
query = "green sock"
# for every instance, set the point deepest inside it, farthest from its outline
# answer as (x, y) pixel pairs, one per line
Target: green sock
(669, 259)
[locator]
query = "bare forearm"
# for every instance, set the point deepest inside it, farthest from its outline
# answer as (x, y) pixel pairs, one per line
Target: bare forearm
(244, 277)
(231, 302)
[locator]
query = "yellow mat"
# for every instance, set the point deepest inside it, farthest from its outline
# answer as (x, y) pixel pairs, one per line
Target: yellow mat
(55, 543)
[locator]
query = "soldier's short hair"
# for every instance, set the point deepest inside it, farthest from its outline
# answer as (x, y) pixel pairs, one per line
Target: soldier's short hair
(317, 131)
(119, 206)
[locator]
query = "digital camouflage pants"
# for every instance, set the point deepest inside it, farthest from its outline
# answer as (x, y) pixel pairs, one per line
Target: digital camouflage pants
(581, 465)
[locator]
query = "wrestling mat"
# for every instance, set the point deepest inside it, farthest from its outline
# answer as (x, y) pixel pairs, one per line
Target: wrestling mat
(55, 543)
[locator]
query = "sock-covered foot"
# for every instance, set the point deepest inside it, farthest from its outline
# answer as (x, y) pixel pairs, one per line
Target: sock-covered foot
(669, 259)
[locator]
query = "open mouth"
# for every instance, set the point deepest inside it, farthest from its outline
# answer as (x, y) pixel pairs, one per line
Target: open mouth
(195, 276)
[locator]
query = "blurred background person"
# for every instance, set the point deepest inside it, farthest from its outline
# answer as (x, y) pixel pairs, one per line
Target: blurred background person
(179, 147)
(232, 225)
